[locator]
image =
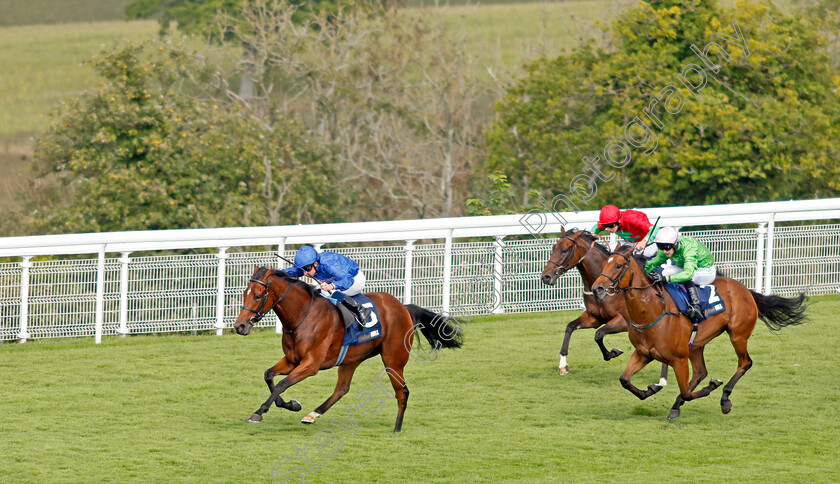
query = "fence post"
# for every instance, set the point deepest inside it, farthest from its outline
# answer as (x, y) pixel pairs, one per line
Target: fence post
(447, 270)
(768, 268)
(409, 261)
(100, 297)
(124, 260)
(281, 251)
(759, 256)
(25, 264)
(220, 291)
(498, 268)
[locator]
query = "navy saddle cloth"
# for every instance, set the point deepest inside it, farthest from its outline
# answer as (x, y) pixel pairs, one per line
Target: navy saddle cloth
(710, 302)
(371, 329)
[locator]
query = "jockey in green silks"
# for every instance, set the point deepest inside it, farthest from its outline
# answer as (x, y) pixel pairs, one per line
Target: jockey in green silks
(691, 264)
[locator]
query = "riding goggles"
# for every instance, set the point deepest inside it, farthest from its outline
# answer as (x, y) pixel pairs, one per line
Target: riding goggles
(664, 247)
(307, 267)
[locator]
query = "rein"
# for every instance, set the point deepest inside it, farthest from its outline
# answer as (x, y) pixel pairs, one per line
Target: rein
(614, 289)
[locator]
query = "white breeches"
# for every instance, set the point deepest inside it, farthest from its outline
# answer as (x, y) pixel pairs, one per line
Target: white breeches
(357, 287)
(702, 276)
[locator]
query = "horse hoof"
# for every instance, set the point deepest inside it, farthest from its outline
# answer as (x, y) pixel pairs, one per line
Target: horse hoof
(310, 419)
(256, 418)
(563, 370)
(715, 383)
(294, 406)
(726, 406)
(615, 353)
(673, 414)
(663, 382)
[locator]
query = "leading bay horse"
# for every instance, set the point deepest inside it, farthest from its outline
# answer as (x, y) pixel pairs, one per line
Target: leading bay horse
(313, 334)
(658, 331)
(578, 248)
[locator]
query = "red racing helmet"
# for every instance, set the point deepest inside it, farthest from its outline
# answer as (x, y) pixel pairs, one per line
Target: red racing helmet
(609, 215)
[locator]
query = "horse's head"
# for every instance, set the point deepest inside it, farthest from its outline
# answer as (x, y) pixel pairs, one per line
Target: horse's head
(616, 274)
(258, 300)
(567, 253)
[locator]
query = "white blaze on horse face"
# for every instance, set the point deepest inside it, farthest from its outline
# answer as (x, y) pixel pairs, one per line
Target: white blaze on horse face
(249, 291)
(610, 259)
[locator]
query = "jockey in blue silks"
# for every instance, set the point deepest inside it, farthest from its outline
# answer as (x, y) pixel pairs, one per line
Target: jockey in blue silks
(340, 276)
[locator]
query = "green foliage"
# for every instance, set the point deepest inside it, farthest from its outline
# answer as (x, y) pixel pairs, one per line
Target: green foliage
(766, 130)
(499, 200)
(146, 152)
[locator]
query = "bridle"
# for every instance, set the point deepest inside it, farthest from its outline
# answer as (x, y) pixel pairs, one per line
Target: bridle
(614, 289)
(261, 312)
(563, 267)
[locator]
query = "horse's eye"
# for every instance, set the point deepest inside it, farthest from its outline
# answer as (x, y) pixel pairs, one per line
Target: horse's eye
(258, 296)
(618, 266)
(564, 250)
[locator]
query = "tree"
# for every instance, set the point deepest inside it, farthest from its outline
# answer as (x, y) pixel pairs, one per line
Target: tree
(150, 150)
(764, 127)
(398, 96)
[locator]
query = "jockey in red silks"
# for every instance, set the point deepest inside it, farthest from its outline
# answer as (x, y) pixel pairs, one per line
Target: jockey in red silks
(630, 225)
(339, 276)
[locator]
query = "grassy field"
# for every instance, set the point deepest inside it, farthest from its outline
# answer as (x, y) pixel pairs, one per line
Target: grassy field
(174, 409)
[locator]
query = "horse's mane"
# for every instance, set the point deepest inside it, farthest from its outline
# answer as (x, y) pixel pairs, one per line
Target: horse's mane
(311, 290)
(588, 238)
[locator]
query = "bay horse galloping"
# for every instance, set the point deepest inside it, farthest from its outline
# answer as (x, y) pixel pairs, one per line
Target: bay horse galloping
(658, 331)
(313, 334)
(579, 249)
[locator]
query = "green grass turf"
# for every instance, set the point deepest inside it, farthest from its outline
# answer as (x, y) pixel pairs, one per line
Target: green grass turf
(173, 409)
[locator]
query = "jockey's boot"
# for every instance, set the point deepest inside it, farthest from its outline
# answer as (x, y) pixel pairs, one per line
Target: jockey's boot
(362, 313)
(694, 300)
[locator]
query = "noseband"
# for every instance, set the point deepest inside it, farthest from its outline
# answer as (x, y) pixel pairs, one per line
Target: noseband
(261, 312)
(563, 267)
(614, 289)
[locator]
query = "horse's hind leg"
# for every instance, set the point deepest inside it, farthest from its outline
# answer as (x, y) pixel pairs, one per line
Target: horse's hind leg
(400, 392)
(283, 367)
(342, 386)
(698, 365)
(636, 363)
(744, 364)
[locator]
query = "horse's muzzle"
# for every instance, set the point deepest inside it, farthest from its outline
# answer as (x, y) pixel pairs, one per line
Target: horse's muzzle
(244, 329)
(599, 292)
(549, 279)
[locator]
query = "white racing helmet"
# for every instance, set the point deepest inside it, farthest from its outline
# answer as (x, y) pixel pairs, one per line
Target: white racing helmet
(667, 235)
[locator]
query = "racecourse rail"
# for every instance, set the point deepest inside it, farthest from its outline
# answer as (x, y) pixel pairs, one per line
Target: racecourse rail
(68, 286)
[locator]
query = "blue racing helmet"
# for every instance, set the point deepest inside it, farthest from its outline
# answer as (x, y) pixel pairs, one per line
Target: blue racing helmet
(306, 255)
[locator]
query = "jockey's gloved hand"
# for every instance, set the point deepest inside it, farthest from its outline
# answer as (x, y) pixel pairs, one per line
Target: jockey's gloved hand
(656, 277)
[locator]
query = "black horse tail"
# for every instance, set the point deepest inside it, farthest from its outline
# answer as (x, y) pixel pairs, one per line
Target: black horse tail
(778, 312)
(440, 331)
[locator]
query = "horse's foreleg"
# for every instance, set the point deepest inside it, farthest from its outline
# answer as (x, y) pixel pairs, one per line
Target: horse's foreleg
(615, 325)
(306, 369)
(342, 386)
(698, 365)
(585, 320)
(563, 367)
(636, 363)
(680, 366)
(283, 367)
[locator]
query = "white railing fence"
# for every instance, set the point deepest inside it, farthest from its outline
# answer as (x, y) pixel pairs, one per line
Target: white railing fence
(117, 294)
